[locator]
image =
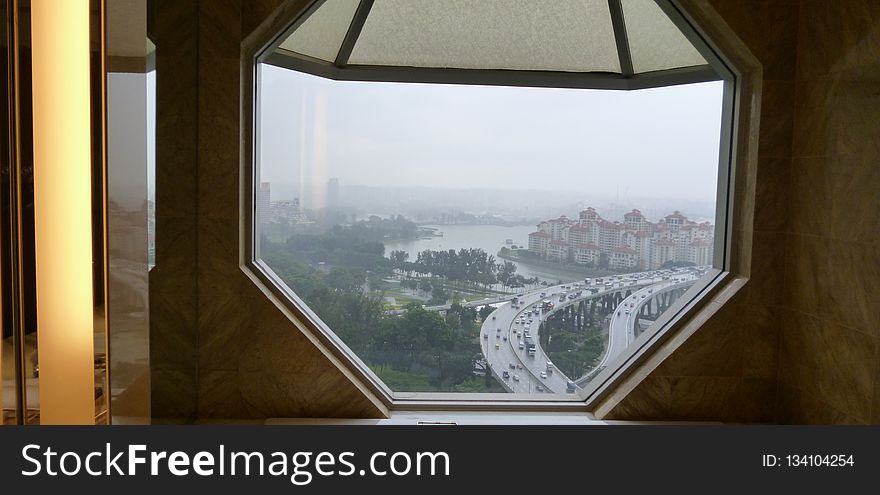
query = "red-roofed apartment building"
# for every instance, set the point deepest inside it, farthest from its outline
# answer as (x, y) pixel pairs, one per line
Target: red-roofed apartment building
(635, 243)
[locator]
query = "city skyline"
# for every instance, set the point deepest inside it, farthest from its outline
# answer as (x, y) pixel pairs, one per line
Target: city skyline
(599, 143)
(437, 201)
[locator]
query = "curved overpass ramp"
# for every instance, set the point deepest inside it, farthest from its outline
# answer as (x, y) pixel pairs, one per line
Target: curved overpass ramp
(621, 332)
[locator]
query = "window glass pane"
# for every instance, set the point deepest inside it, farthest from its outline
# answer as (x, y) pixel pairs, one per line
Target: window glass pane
(655, 43)
(458, 238)
(321, 35)
(557, 35)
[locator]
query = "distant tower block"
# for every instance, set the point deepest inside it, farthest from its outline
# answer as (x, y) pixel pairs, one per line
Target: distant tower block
(333, 193)
(264, 202)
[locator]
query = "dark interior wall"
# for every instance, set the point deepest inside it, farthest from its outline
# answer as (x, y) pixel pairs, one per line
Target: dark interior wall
(173, 26)
(785, 349)
(219, 346)
(727, 371)
(806, 313)
(829, 367)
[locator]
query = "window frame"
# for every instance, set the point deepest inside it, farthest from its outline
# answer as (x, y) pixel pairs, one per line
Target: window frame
(692, 304)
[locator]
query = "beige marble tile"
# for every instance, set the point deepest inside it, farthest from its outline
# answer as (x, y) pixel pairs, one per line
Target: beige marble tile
(771, 193)
(219, 394)
(173, 331)
(829, 362)
(219, 28)
(253, 12)
(797, 407)
(767, 275)
(799, 363)
(754, 401)
(218, 254)
(174, 395)
(853, 278)
(859, 106)
(817, 117)
(875, 402)
(777, 119)
(855, 197)
(649, 401)
(703, 398)
(220, 322)
(175, 24)
(850, 366)
(835, 36)
(809, 205)
(714, 350)
(752, 20)
(760, 334)
(219, 136)
(176, 255)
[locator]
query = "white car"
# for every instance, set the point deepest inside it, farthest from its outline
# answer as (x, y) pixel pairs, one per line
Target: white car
(543, 374)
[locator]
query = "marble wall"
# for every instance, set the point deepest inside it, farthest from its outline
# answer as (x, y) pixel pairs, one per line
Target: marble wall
(173, 27)
(829, 367)
(802, 345)
(727, 370)
(797, 343)
(219, 347)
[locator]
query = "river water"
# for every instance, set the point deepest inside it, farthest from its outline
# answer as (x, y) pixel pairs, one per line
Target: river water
(489, 238)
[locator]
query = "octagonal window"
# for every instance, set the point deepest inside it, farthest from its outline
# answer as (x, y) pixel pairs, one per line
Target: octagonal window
(489, 197)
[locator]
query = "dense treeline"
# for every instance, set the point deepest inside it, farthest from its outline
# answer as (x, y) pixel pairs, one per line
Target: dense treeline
(468, 265)
(573, 338)
(417, 350)
(359, 245)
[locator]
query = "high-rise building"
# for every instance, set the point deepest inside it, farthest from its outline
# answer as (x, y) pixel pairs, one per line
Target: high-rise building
(333, 193)
(264, 202)
(635, 243)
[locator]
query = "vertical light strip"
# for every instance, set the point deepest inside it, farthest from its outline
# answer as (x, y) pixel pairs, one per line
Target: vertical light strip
(62, 210)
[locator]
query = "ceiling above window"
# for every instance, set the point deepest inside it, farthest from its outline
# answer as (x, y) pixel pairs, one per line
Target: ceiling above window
(602, 44)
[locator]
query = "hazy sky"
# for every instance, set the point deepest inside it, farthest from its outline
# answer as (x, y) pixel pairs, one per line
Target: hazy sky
(658, 143)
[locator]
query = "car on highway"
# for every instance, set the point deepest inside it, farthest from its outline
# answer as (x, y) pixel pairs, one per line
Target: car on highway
(497, 345)
(505, 374)
(521, 345)
(485, 335)
(516, 378)
(519, 366)
(539, 388)
(511, 366)
(505, 337)
(543, 374)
